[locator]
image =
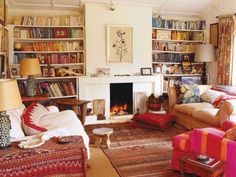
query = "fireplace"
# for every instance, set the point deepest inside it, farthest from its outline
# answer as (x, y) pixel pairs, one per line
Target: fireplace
(121, 99)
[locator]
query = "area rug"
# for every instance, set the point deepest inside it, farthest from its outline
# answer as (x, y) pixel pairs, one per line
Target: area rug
(140, 152)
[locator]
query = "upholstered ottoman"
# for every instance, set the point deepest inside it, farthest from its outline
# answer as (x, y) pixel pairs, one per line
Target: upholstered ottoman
(50, 159)
(159, 121)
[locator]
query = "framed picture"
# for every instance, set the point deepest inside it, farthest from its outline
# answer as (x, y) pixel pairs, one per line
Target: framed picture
(119, 44)
(146, 71)
(14, 72)
(103, 71)
(2, 12)
(48, 72)
(214, 34)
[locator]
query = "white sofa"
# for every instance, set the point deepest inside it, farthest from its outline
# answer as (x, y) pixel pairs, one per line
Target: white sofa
(66, 120)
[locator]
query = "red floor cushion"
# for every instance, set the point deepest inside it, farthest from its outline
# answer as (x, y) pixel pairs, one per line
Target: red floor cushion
(160, 121)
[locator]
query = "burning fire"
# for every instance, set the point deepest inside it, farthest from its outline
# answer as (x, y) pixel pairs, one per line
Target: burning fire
(119, 110)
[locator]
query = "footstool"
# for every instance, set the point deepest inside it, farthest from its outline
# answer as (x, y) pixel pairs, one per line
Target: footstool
(158, 121)
(102, 134)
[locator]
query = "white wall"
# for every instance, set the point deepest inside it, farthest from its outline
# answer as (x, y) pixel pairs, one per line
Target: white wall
(218, 7)
(97, 17)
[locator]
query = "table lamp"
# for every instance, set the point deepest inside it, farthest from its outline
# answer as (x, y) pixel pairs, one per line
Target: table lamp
(9, 99)
(204, 53)
(30, 67)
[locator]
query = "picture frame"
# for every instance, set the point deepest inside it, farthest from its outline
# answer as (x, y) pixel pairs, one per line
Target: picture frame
(214, 32)
(146, 71)
(46, 72)
(15, 72)
(119, 44)
(2, 12)
(103, 71)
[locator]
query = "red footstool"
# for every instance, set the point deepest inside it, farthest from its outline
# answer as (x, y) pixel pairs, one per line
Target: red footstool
(159, 121)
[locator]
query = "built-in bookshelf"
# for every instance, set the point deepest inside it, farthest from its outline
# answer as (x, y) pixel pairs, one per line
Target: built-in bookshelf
(56, 87)
(173, 48)
(57, 42)
(3, 51)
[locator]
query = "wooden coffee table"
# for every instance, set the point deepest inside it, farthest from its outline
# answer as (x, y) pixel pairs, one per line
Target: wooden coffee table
(101, 134)
(212, 168)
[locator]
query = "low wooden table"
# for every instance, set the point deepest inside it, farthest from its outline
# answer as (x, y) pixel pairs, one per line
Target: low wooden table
(74, 104)
(102, 134)
(213, 168)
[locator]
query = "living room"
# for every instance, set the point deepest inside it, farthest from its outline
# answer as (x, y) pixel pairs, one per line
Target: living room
(105, 50)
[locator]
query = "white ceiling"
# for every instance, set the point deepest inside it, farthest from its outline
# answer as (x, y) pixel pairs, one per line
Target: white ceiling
(184, 7)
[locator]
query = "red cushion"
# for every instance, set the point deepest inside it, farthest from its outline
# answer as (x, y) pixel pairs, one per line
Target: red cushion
(220, 99)
(31, 119)
(160, 121)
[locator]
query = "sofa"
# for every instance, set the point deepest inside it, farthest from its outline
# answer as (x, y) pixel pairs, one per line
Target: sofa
(210, 141)
(201, 114)
(52, 123)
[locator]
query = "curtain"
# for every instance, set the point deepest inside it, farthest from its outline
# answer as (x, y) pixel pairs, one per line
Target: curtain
(226, 48)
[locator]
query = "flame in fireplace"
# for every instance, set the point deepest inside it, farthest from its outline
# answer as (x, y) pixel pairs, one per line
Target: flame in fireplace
(119, 109)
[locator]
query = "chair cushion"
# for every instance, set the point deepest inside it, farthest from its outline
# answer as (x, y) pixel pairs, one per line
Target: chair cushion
(31, 119)
(188, 108)
(160, 121)
(207, 115)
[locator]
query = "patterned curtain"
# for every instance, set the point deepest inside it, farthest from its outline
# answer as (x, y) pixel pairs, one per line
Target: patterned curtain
(226, 47)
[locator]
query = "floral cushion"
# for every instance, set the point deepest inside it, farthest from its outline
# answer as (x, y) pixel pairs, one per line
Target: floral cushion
(189, 94)
(220, 99)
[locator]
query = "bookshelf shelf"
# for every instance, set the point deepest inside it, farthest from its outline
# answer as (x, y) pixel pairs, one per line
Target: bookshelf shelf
(47, 39)
(173, 46)
(22, 52)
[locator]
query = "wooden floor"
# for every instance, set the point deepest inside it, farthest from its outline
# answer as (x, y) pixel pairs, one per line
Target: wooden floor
(100, 165)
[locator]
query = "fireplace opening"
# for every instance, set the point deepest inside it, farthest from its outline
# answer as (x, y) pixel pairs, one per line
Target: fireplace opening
(121, 99)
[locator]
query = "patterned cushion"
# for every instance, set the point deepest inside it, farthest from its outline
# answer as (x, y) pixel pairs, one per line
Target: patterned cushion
(210, 96)
(159, 121)
(220, 99)
(189, 94)
(31, 119)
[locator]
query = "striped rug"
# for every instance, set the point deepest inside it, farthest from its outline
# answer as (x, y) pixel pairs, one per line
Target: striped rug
(140, 152)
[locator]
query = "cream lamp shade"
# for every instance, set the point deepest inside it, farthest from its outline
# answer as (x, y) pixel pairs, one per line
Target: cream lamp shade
(204, 53)
(9, 95)
(30, 66)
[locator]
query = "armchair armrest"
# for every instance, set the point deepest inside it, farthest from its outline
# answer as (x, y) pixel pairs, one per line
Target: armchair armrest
(226, 109)
(171, 91)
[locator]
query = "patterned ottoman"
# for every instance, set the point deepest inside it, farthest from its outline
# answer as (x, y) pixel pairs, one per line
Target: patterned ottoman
(159, 121)
(50, 159)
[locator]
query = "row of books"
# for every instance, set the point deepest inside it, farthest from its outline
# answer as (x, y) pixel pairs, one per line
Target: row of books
(53, 89)
(178, 24)
(178, 47)
(24, 33)
(172, 57)
(178, 35)
(53, 46)
(61, 58)
(49, 21)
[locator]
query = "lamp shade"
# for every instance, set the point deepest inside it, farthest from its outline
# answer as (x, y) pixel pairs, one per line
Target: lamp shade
(204, 53)
(30, 66)
(9, 95)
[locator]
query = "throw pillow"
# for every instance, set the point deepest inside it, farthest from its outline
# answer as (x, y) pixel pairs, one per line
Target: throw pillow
(189, 94)
(231, 134)
(210, 96)
(158, 121)
(31, 119)
(16, 131)
(220, 99)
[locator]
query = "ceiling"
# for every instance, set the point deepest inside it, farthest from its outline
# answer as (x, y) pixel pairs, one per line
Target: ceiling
(184, 7)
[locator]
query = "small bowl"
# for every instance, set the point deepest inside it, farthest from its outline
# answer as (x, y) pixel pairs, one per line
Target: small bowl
(202, 157)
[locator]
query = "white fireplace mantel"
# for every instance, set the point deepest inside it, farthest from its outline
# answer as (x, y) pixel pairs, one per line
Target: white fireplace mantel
(91, 88)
